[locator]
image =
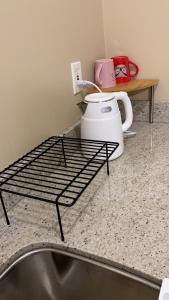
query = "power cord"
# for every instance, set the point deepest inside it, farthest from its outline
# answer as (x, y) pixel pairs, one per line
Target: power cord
(129, 133)
(86, 82)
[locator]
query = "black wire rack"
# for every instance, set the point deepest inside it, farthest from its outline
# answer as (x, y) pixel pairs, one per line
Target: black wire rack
(57, 171)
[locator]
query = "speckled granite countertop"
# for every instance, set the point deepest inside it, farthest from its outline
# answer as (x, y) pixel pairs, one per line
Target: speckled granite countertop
(123, 217)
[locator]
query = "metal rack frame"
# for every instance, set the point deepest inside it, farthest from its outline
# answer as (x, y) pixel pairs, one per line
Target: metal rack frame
(57, 171)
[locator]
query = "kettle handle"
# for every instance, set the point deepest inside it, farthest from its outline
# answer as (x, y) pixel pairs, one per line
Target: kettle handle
(128, 109)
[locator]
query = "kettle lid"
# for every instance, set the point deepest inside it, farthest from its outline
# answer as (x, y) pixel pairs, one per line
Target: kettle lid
(99, 97)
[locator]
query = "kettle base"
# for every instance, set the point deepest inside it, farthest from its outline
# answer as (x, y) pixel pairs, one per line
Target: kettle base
(119, 151)
(109, 130)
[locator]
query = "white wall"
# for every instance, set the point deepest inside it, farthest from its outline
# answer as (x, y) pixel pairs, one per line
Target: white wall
(140, 29)
(39, 39)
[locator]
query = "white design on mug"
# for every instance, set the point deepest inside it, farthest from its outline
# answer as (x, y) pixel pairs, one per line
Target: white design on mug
(121, 71)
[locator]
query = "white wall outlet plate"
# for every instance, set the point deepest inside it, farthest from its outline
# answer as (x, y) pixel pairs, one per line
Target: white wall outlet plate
(76, 75)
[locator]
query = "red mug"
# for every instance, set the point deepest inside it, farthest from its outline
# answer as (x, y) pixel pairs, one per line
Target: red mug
(122, 69)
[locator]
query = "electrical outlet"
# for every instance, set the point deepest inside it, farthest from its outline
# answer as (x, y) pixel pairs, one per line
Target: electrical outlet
(76, 75)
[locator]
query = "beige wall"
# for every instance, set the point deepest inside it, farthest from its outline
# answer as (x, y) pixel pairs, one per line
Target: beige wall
(39, 39)
(140, 29)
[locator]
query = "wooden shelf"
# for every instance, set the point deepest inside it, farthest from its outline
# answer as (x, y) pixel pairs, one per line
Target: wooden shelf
(131, 86)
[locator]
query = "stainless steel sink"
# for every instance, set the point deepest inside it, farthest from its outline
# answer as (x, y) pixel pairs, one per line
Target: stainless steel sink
(53, 274)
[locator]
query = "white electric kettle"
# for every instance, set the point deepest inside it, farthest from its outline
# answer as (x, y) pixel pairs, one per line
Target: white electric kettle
(102, 119)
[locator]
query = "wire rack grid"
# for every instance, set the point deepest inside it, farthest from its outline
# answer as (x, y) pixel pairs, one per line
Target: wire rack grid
(57, 171)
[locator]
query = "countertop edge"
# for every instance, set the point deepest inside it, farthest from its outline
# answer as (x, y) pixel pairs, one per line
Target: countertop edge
(4, 266)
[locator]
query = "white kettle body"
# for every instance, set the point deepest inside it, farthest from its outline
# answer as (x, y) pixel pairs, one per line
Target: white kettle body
(102, 119)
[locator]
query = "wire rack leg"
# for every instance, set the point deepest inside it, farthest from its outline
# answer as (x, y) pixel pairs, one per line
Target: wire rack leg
(60, 223)
(64, 155)
(4, 209)
(107, 159)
